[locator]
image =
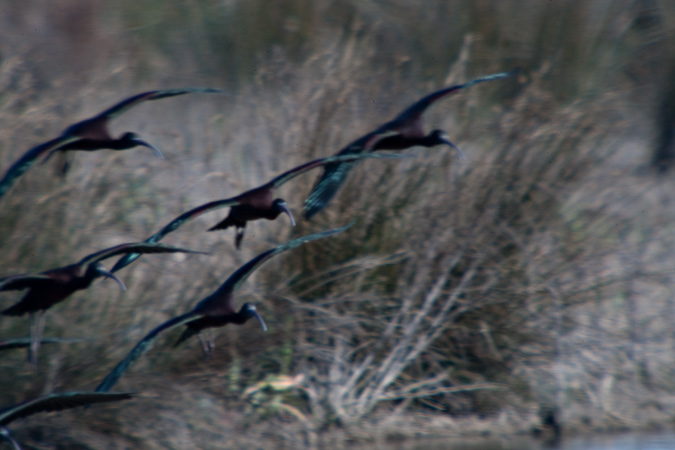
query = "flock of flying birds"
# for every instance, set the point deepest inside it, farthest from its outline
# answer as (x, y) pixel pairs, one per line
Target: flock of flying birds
(48, 288)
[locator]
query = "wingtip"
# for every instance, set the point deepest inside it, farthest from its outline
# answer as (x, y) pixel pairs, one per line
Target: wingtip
(206, 90)
(346, 227)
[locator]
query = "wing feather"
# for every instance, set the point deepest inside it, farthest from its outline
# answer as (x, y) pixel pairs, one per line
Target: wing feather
(141, 348)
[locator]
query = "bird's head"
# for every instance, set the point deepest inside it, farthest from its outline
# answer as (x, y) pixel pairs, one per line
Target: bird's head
(279, 206)
(249, 311)
(439, 137)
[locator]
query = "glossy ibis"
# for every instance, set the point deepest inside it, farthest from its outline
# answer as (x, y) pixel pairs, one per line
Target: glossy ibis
(53, 402)
(216, 310)
(404, 131)
(93, 134)
(53, 286)
(258, 203)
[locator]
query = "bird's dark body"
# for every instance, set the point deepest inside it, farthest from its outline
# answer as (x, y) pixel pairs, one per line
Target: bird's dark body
(253, 205)
(63, 282)
(215, 312)
(91, 145)
(94, 129)
(403, 142)
(40, 299)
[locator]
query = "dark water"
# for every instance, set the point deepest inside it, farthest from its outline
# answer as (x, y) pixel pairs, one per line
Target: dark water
(628, 441)
(632, 441)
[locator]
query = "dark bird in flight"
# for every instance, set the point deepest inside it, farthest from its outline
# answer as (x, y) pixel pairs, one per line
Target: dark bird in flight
(53, 402)
(53, 286)
(258, 203)
(93, 134)
(404, 131)
(216, 310)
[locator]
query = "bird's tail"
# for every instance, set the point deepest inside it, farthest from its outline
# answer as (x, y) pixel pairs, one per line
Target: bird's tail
(224, 224)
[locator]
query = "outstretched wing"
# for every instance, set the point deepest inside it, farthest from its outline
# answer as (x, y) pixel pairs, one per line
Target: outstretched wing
(334, 175)
(294, 172)
(124, 105)
(174, 225)
(141, 348)
(18, 282)
(134, 247)
(416, 110)
(58, 402)
(241, 274)
(23, 164)
(8, 344)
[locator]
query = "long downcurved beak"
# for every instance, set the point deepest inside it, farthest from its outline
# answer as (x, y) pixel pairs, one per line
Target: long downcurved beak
(260, 319)
(159, 154)
(288, 212)
(104, 272)
(459, 152)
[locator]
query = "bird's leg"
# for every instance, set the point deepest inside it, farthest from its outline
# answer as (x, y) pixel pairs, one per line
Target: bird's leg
(239, 237)
(37, 327)
(65, 163)
(207, 344)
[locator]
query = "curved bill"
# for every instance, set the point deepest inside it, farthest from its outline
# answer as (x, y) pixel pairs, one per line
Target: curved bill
(159, 154)
(459, 152)
(284, 207)
(102, 270)
(260, 319)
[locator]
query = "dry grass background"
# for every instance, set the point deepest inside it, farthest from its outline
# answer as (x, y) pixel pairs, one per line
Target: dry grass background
(469, 296)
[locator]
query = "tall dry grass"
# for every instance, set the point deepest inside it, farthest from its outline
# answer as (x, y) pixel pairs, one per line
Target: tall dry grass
(468, 296)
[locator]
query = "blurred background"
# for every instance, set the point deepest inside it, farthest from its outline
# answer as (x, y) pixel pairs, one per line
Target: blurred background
(527, 286)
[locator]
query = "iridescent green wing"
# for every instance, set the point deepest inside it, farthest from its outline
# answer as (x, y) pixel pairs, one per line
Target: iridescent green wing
(141, 348)
(134, 247)
(241, 274)
(58, 402)
(333, 177)
(130, 102)
(28, 159)
(340, 158)
(414, 111)
(173, 226)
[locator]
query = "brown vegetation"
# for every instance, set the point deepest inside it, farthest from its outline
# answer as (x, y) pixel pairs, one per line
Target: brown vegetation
(468, 296)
